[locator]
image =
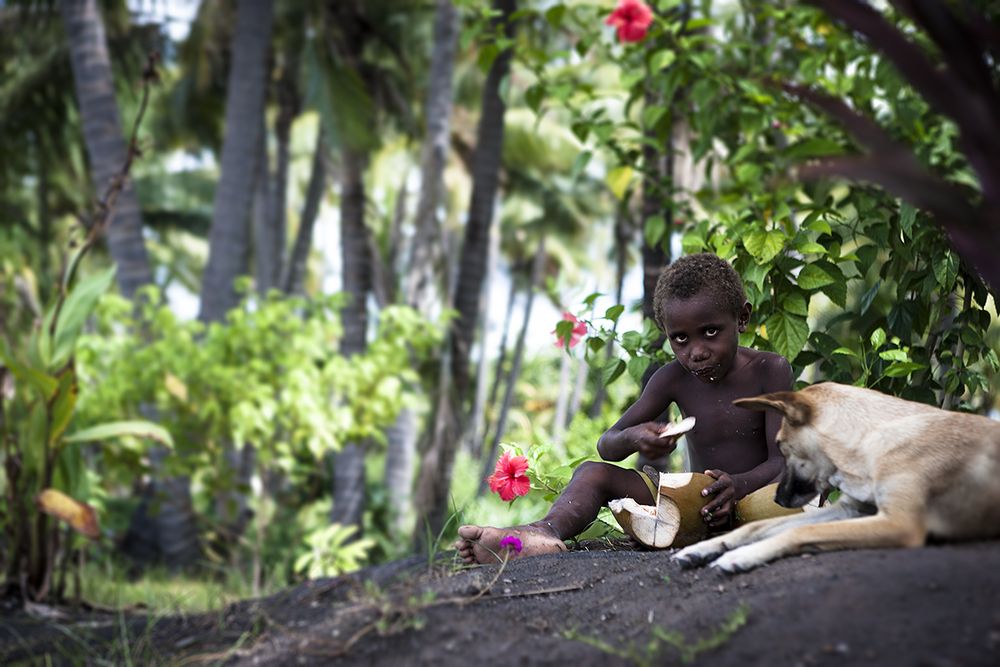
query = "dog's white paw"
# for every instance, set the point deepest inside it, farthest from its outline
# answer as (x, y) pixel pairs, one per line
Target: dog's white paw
(739, 560)
(699, 554)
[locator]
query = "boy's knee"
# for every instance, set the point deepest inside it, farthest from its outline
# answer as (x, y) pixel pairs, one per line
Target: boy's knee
(594, 472)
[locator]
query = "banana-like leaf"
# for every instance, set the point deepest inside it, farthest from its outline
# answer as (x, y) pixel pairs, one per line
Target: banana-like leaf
(80, 516)
(75, 310)
(40, 381)
(137, 428)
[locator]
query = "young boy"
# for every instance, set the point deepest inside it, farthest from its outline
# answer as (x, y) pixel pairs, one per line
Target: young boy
(700, 305)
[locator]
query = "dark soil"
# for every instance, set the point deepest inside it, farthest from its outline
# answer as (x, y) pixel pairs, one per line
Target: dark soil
(599, 604)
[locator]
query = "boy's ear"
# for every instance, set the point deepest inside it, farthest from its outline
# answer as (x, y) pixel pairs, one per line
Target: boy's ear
(796, 409)
(743, 317)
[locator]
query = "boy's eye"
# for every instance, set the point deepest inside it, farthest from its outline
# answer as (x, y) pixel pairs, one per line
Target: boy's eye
(680, 338)
(711, 331)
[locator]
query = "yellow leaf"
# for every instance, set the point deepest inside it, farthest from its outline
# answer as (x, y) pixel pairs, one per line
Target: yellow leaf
(762, 332)
(80, 516)
(618, 180)
(176, 387)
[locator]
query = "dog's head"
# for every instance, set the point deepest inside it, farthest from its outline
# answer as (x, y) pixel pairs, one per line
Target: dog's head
(807, 468)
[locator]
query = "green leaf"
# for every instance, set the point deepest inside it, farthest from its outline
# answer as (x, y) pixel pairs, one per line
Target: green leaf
(614, 312)
(764, 246)
(907, 216)
(63, 406)
(637, 367)
(137, 428)
(787, 333)
(878, 338)
(796, 303)
(845, 351)
(903, 368)
(631, 341)
(692, 243)
(819, 274)
(946, 270)
(75, 310)
(41, 382)
(894, 355)
(534, 96)
(813, 147)
(812, 248)
(661, 60)
(654, 230)
(651, 115)
(618, 180)
(612, 369)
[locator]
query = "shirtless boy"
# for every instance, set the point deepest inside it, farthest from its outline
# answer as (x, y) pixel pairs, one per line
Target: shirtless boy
(700, 305)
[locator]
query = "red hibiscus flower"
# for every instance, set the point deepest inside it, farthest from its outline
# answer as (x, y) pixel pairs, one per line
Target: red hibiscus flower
(632, 18)
(510, 477)
(579, 330)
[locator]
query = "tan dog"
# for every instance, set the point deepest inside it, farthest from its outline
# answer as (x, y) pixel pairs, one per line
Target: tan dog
(905, 471)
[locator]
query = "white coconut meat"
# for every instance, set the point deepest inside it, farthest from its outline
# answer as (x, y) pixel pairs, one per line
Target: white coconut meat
(654, 527)
(678, 428)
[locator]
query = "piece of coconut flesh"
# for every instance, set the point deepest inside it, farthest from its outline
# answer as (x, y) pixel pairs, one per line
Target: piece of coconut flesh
(677, 428)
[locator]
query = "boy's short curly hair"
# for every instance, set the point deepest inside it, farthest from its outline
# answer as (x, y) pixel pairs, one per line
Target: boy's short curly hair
(694, 274)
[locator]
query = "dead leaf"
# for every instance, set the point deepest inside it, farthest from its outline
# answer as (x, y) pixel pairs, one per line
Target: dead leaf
(80, 516)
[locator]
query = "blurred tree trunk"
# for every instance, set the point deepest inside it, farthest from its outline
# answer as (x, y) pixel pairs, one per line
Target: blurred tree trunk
(349, 463)
(294, 270)
(485, 177)
(229, 243)
(434, 482)
(421, 283)
(623, 229)
(537, 266)
(474, 433)
(260, 209)
(498, 371)
(104, 138)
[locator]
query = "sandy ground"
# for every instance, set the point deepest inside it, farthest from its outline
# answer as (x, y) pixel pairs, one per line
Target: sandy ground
(598, 604)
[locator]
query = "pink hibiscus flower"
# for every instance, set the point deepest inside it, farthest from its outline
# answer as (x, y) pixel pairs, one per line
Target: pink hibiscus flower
(510, 477)
(579, 330)
(632, 19)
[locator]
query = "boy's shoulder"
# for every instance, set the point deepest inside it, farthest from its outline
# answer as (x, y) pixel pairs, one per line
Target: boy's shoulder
(765, 359)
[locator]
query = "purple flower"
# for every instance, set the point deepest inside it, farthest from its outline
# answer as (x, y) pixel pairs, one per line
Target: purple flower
(511, 542)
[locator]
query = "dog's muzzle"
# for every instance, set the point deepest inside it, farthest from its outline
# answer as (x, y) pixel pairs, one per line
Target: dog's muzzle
(794, 491)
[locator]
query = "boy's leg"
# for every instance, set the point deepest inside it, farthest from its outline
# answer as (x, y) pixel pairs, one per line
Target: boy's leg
(593, 484)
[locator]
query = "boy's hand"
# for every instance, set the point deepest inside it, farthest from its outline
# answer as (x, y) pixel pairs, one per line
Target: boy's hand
(647, 441)
(716, 512)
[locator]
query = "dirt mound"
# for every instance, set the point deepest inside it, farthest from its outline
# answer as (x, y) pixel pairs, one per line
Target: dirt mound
(598, 604)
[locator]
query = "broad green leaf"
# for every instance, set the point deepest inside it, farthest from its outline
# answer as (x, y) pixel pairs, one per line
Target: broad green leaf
(63, 406)
(756, 274)
(618, 180)
(818, 274)
(787, 333)
(878, 338)
(946, 270)
(845, 351)
(654, 230)
(692, 243)
(614, 312)
(796, 303)
(814, 147)
(764, 246)
(661, 60)
(612, 369)
(637, 367)
(40, 381)
(907, 216)
(812, 248)
(631, 341)
(137, 428)
(76, 309)
(903, 368)
(651, 115)
(894, 355)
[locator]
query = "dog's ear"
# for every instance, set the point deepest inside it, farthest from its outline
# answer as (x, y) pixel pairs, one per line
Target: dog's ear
(795, 408)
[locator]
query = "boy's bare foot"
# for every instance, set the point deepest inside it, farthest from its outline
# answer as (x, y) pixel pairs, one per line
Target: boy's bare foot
(481, 544)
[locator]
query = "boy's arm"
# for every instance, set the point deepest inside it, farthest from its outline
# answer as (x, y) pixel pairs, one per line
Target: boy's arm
(777, 377)
(636, 431)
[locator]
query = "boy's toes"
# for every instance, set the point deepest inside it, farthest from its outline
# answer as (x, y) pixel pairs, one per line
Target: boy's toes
(470, 533)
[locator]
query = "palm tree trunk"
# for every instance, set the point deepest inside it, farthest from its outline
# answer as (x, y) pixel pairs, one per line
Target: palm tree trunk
(473, 435)
(349, 463)
(515, 370)
(622, 239)
(294, 271)
(485, 176)
(228, 249)
(426, 249)
(400, 455)
(498, 371)
(105, 141)
(263, 243)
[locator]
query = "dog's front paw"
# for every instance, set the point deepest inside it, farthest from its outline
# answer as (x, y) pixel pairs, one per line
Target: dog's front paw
(739, 560)
(698, 554)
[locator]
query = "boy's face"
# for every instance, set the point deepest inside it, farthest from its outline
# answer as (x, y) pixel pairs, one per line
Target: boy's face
(704, 335)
